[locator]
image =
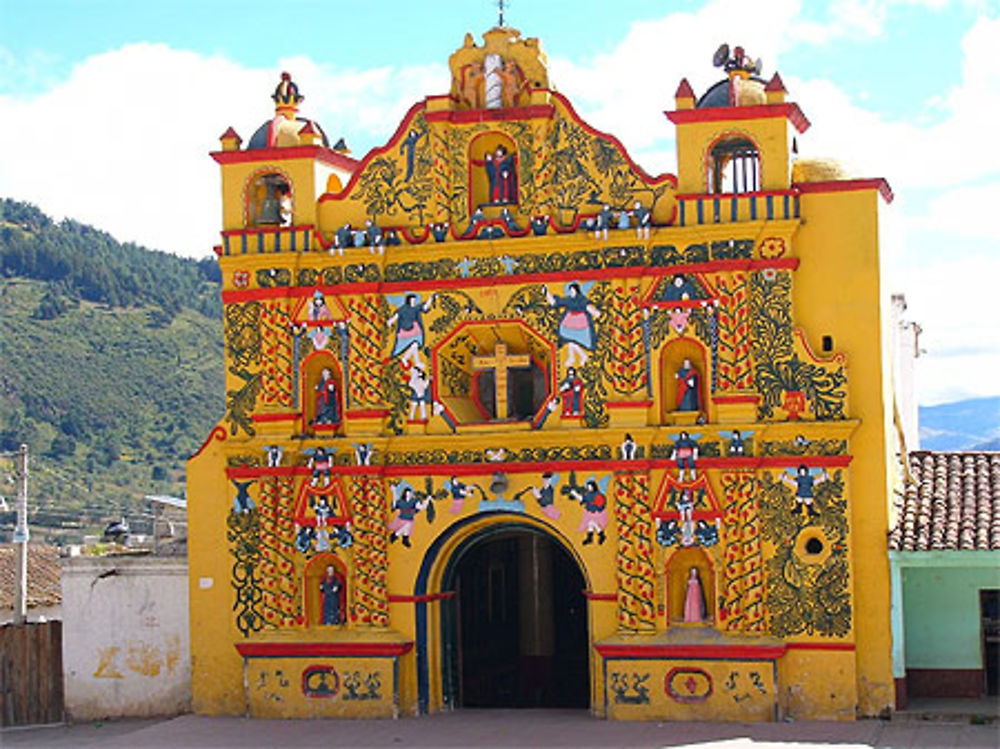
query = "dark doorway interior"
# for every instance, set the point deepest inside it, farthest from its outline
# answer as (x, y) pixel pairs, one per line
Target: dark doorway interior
(516, 636)
(989, 606)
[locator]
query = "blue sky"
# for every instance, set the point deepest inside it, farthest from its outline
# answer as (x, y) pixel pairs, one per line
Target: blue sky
(107, 109)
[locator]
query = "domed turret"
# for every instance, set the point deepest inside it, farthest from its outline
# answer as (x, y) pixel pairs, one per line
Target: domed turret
(286, 127)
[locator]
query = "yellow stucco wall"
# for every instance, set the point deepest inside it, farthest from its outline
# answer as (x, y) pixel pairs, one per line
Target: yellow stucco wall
(775, 302)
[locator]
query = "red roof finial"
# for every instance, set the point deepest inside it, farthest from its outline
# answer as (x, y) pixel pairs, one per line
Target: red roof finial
(776, 84)
(684, 90)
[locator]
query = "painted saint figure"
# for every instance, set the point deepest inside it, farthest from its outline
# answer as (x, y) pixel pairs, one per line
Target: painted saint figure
(688, 387)
(407, 505)
(685, 452)
(685, 508)
(643, 218)
(329, 588)
(420, 392)
(694, 599)
(327, 400)
(409, 145)
(576, 328)
(320, 461)
(804, 482)
(572, 393)
(408, 319)
(501, 173)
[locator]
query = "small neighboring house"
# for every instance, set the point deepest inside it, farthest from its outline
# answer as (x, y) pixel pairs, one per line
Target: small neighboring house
(44, 588)
(945, 561)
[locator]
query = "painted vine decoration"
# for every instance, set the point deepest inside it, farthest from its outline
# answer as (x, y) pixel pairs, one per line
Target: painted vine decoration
(391, 184)
(370, 605)
(805, 597)
(243, 532)
(281, 601)
(241, 402)
(734, 370)
(270, 278)
(803, 446)
(636, 592)
(542, 454)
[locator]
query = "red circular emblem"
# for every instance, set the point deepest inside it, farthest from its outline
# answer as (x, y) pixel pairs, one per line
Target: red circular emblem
(241, 279)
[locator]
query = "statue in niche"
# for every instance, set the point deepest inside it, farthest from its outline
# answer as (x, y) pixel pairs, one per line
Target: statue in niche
(572, 393)
(501, 173)
(688, 387)
(327, 400)
(329, 588)
(694, 599)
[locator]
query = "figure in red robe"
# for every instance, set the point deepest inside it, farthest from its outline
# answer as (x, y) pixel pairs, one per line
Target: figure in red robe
(572, 393)
(688, 387)
(327, 402)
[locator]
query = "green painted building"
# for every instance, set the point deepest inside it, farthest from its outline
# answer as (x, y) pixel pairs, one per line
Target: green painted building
(945, 561)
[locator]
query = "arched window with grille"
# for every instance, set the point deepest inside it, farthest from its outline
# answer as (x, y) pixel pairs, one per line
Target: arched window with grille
(734, 166)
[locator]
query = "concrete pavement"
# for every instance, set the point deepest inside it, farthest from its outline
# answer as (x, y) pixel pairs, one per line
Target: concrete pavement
(500, 728)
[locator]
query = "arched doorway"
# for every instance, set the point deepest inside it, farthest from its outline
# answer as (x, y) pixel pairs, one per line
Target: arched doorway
(515, 634)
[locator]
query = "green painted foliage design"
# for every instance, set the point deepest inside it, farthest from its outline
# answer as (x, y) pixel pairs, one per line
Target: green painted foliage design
(804, 597)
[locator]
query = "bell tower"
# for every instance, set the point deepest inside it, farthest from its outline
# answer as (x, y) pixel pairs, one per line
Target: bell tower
(735, 138)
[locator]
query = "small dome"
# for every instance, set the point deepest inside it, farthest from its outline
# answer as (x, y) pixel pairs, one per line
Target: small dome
(718, 94)
(286, 135)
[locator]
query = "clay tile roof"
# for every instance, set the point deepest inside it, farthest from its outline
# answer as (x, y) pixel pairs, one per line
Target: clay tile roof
(953, 504)
(44, 587)
(684, 90)
(775, 84)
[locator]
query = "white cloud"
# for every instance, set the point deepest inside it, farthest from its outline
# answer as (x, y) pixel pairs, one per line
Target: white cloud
(123, 143)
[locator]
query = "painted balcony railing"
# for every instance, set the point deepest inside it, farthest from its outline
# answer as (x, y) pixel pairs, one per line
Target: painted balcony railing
(725, 208)
(266, 239)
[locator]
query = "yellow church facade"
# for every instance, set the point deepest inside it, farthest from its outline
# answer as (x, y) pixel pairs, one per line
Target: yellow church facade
(512, 423)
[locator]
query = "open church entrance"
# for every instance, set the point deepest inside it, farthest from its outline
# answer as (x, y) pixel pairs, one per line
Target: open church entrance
(515, 634)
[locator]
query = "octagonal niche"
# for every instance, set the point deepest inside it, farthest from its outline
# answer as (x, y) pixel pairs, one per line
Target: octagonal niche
(499, 371)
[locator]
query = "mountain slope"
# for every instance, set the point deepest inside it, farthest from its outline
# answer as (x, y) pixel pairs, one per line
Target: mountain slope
(971, 424)
(111, 384)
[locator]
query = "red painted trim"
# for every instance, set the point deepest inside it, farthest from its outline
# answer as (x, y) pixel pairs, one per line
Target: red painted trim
(257, 418)
(487, 468)
(218, 433)
(236, 296)
(368, 413)
(600, 596)
(320, 153)
(735, 398)
(754, 112)
(429, 597)
(306, 649)
(265, 230)
(848, 185)
(739, 652)
(841, 646)
(530, 112)
(628, 404)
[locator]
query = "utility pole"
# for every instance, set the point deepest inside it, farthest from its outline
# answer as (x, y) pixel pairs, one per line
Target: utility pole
(21, 541)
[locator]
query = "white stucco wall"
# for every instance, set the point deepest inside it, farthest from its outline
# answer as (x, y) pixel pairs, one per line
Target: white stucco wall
(125, 636)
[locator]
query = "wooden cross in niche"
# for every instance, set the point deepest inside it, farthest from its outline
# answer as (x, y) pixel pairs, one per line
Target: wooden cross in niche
(501, 362)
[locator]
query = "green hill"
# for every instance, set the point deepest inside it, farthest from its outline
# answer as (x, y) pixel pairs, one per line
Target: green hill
(110, 369)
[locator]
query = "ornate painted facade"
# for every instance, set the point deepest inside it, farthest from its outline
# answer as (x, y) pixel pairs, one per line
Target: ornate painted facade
(497, 323)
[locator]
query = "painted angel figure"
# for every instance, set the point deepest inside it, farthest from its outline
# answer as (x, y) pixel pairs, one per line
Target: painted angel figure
(576, 328)
(545, 495)
(459, 492)
(737, 448)
(595, 507)
(409, 325)
(408, 503)
(804, 481)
